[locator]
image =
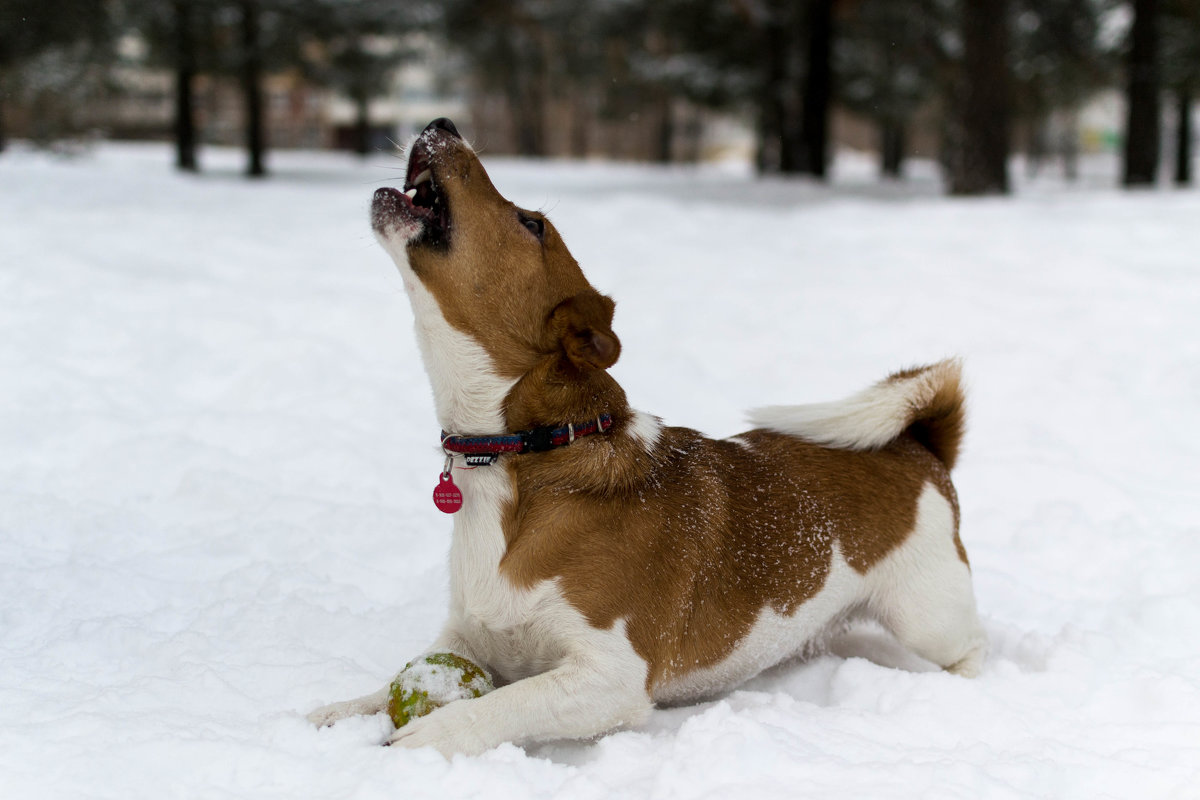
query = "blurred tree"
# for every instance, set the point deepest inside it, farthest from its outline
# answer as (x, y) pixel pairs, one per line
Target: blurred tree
(256, 38)
(74, 35)
(179, 35)
(251, 67)
(561, 67)
(358, 45)
(236, 38)
(978, 158)
(890, 60)
(810, 154)
(771, 58)
(1058, 61)
(185, 73)
(734, 55)
(642, 64)
(1144, 84)
(634, 85)
(1181, 73)
(796, 53)
(507, 43)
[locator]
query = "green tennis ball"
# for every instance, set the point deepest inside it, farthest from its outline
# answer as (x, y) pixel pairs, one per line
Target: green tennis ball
(431, 682)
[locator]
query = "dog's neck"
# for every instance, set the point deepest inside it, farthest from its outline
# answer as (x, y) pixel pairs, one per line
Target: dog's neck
(553, 393)
(468, 393)
(472, 397)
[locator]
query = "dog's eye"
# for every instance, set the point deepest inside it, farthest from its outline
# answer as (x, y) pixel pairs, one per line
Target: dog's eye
(534, 225)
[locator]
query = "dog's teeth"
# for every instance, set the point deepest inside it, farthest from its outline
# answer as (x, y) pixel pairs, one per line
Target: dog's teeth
(411, 193)
(424, 176)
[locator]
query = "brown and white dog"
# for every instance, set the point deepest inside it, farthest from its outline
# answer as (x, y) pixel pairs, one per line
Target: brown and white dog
(646, 564)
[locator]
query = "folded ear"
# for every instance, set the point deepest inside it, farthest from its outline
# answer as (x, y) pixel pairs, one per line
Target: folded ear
(582, 326)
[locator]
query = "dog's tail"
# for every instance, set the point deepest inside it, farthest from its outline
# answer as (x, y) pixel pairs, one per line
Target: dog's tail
(925, 401)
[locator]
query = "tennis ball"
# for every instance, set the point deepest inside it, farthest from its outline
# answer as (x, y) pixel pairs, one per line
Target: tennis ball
(431, 682)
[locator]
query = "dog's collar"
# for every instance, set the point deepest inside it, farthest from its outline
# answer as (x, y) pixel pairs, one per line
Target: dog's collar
(483, 450)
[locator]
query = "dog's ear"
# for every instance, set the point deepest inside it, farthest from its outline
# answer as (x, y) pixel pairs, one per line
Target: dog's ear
(582, 327)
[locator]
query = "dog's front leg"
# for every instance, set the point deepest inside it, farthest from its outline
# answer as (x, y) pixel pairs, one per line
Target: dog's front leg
(376, 702)
(577, 699)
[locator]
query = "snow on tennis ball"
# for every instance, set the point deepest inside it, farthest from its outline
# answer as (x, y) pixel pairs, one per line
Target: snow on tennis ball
(431, 682)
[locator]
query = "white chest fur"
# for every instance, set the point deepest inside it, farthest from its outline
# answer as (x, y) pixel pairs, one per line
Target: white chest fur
(517, 632)
(467, 392)
(504, 625)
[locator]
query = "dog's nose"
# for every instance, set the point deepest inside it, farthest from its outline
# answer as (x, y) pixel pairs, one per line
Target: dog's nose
(443, 123)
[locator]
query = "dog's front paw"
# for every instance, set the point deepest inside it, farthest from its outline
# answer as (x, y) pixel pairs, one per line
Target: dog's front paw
(325, 716)
(361, 706)
(450, 729)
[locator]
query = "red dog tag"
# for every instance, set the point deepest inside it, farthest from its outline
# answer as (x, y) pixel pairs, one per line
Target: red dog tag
(446, 495)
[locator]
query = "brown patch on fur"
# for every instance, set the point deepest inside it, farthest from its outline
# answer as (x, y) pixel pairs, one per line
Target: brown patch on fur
(688, 543)
(938, 424)
(940, 421)
(582, 326)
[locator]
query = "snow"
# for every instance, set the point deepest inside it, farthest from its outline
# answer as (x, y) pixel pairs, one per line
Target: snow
(217, 447)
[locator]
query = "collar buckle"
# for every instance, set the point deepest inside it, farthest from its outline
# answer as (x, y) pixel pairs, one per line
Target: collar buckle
(538, 440)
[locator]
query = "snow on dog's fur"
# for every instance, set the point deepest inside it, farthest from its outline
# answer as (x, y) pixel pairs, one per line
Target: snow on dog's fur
(647, 563)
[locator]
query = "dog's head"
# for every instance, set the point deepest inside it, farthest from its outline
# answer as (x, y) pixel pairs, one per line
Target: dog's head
(499, 274)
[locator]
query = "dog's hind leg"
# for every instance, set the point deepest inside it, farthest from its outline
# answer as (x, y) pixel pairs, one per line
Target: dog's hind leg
(922, 592)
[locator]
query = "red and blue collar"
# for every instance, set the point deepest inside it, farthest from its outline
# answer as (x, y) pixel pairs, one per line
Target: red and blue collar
(484, 450)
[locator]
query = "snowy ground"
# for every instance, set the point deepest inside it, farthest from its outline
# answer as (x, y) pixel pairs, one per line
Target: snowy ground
(217, 448)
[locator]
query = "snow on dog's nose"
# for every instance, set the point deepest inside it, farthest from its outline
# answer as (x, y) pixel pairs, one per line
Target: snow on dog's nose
(421, 211)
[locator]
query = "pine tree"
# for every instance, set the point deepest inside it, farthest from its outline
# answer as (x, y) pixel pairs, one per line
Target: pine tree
(1058, 61)
(359, 45)
(890, 61)
(76, 33)
(1144, 84)
(979, 163)
(1181, 73)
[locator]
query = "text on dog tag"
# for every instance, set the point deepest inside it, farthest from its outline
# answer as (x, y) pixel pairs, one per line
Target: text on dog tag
(446, 496)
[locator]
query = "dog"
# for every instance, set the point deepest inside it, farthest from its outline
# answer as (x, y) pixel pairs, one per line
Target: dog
(602, 563)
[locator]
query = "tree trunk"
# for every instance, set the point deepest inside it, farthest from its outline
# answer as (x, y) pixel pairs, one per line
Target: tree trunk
(523, 87)
(526, 109)
(1142, 123)
(185, 73)
(1070, 145)
(580, 122)
(362, 124)
(1036, 147)
(979, 164)
(665, 135)
(1183, 141)
(693, 135)
(818, 90)
(771, 110)
(891, 147)
(252, 89)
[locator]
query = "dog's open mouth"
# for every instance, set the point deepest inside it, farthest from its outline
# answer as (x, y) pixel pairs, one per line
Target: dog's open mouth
(421, 210)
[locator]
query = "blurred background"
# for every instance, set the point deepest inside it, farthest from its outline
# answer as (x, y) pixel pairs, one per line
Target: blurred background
(217, 441)
(781, 84)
